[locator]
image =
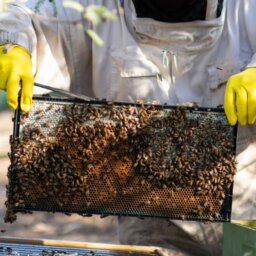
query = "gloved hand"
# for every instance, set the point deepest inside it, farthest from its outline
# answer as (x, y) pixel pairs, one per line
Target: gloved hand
(240, 97)
(16, 70)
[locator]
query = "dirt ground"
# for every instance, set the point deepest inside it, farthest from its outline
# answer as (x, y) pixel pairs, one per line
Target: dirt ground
(46, 225)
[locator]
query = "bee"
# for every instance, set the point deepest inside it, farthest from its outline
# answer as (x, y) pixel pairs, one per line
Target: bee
(182, 216)
(147, 203)
(210, 218)
(39, 113)
(47, 125)
(51, 106)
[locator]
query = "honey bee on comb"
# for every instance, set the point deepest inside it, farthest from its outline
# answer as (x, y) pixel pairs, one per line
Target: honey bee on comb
(122, 159)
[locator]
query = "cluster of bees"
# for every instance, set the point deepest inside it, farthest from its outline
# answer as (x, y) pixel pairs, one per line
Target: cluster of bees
(191, 154)
(135, 160)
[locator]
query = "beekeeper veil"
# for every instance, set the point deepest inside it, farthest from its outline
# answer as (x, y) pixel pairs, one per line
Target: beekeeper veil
(178, 10)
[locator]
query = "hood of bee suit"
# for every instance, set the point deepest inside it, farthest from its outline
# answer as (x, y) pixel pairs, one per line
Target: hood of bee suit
(178, 11)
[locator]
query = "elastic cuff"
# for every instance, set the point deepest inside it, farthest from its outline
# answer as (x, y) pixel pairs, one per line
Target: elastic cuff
(16, 39)
(8, 47)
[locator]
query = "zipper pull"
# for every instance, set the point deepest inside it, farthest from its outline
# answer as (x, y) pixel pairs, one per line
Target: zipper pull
(173, 67)
(166, 58)
(170, 61)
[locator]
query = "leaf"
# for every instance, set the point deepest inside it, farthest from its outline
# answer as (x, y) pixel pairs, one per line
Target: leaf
(95, 37)
(92, 15)
(96, 14)
(105, 13)
(74, 5)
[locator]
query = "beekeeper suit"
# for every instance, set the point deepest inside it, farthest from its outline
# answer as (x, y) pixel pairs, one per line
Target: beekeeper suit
(155, 50)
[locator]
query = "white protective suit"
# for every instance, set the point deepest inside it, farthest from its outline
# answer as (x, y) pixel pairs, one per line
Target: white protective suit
(149, 60)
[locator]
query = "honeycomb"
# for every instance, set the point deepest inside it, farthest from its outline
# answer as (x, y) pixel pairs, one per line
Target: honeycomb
(120, 159)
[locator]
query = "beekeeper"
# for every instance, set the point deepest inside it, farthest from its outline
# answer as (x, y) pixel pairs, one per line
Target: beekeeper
(172, 51)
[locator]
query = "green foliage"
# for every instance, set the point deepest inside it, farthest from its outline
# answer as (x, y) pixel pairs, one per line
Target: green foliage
(97, 39)
(96, 14)
(74, 5)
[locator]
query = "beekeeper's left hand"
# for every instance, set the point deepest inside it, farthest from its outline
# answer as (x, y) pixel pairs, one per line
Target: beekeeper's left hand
(240, 97)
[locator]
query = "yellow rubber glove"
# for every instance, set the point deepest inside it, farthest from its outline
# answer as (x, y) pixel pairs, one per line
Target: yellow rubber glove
(240, 97)
(16, 70)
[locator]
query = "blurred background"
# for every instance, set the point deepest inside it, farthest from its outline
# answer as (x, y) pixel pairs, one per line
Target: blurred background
(45, 225)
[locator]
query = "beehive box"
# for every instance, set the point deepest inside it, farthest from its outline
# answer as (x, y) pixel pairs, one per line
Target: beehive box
(120, 159)
(24, 247)
(239, 238)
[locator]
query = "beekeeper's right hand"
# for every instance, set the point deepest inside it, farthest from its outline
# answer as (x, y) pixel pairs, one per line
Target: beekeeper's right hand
(16, 71)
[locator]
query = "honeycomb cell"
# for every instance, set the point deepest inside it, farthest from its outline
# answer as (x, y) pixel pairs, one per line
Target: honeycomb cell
(107, 159)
